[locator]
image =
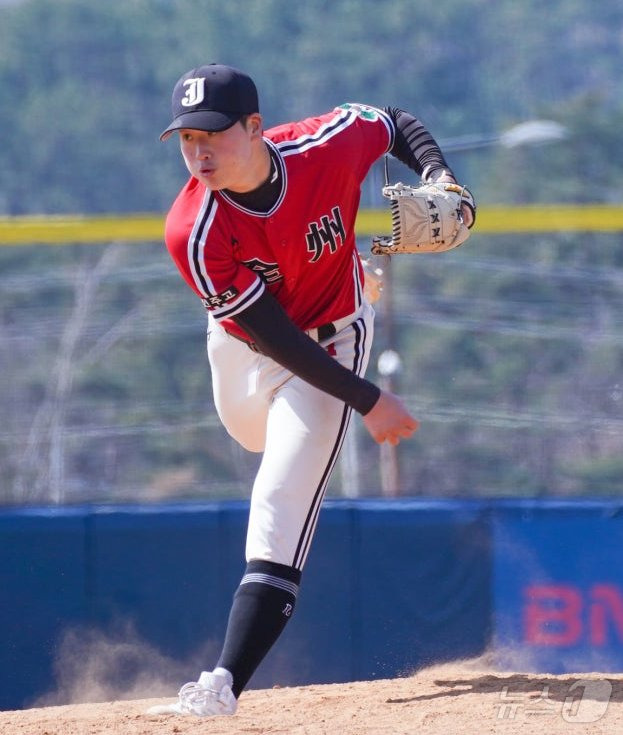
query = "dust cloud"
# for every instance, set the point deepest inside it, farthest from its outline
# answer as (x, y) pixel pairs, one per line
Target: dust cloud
(96, 666)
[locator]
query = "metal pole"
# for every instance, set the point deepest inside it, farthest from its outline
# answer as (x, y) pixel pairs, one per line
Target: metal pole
(388, 367)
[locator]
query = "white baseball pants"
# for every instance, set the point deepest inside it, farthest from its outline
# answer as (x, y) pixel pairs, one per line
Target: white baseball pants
(299, 428)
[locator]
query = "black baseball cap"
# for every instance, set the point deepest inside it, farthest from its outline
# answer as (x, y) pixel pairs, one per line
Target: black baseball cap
(212, 98)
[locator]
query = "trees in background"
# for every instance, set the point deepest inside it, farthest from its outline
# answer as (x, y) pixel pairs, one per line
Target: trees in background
(512, 345)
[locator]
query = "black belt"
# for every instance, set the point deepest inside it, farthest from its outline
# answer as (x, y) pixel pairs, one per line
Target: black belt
(324, 332)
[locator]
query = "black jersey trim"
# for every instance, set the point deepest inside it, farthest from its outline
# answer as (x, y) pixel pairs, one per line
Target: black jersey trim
(196, 244)
(324, 132)
(359, 286)
(249, 296)
(283, 178)
(391, 128)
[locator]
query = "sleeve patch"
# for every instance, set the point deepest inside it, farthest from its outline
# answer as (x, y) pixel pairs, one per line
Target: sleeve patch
(365, 112)
(217, 300)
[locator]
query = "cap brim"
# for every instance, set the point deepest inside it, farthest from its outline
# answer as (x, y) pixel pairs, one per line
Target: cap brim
(208, 120)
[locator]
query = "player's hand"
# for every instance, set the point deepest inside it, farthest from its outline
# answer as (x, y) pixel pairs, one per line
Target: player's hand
(468, 215)
(389, 420)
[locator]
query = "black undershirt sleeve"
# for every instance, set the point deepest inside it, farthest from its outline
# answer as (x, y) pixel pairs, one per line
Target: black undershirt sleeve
(279, 338)
(415, 146)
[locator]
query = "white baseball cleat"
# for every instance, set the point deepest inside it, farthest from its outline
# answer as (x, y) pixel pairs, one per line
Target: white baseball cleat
(210, 695)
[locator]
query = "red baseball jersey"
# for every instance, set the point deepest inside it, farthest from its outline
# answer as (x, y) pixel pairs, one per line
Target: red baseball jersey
(303, 250)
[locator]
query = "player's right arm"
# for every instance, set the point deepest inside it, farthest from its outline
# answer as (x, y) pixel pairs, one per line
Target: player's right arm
(276, 336)
(389, 420)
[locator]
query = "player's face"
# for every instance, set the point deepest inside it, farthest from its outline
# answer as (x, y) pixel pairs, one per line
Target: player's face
(223, 160)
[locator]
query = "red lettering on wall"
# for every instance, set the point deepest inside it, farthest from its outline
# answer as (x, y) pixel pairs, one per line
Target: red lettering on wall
(562, 614)
(605, 598)
(552, 615)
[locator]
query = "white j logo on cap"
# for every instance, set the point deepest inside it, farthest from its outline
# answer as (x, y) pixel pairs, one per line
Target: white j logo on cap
(194, 92)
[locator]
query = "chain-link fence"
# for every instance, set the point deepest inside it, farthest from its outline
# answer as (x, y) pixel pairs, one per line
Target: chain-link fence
(511, 351)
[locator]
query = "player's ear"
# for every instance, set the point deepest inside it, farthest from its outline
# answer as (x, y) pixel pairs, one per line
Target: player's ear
(254, 124)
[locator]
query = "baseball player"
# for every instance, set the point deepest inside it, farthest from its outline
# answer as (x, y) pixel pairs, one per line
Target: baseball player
(263, 232)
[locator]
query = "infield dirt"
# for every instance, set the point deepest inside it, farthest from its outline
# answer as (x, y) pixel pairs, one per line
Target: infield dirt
(457, 698)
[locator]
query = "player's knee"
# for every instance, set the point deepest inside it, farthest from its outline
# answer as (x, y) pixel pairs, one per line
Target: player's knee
(250, 443)
(249, 436)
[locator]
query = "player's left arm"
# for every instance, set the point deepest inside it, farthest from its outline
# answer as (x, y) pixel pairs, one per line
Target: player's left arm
(414, 146)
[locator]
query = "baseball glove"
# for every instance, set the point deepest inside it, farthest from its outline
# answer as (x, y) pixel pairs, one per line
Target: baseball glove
(425, 218)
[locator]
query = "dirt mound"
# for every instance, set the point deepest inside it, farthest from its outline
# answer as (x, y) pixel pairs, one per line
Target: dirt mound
(462, 697)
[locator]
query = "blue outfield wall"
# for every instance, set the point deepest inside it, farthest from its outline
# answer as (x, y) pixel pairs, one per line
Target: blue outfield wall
(558, 586)
(389, 587)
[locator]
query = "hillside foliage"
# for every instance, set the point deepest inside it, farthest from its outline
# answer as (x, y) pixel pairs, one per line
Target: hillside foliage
(512, 346)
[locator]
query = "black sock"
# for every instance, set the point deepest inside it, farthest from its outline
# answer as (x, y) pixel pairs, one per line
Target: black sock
(262, 606)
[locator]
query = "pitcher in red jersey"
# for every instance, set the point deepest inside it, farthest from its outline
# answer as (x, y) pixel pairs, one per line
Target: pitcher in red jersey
(263, 232)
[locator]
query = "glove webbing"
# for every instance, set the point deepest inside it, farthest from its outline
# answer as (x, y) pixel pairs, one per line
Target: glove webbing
(395, 213)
